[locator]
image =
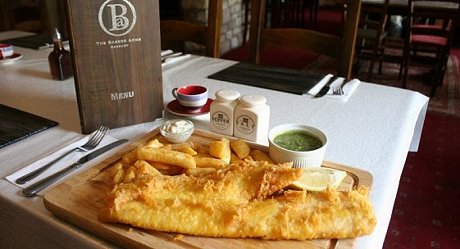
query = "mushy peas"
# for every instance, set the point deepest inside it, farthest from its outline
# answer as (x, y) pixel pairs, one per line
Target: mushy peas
(297, 141)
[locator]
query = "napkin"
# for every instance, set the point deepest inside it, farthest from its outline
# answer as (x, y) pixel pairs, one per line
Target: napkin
(348, 88)
(175, 59)
(166, 52)
(66, 161)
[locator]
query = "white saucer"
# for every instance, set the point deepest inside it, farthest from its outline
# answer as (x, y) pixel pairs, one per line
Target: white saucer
(175, 108)
(10, 59)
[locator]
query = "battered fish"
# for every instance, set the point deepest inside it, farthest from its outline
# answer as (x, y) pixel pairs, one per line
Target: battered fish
(242, 200)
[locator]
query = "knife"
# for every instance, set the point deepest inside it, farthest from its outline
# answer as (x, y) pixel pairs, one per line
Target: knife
(326, 87)
(44, 183)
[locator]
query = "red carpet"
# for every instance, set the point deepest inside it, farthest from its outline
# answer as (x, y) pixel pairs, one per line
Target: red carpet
(447, 98)
(426, 211)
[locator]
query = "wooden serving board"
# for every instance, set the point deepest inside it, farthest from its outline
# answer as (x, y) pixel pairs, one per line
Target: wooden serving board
(78, 200)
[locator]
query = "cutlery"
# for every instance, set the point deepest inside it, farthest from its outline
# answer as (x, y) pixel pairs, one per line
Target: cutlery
(42, 184)
(92, 143)
(339, 90)
(326, 87)
(163, 58)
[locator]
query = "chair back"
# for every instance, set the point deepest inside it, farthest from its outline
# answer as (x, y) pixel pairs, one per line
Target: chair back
(374, 17)
(341, 48)
(29, 17)
(180, 31)
(438, 19)
(431, 26)
(372, 36)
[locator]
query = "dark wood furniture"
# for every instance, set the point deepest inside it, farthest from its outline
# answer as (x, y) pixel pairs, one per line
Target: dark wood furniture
(429, 38)
(341, 48)
(245, 7)
(30, 16)
(372, 36)
(292, 13)
(175, 32)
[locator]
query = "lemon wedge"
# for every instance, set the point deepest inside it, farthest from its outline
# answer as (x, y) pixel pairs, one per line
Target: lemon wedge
(317, 179)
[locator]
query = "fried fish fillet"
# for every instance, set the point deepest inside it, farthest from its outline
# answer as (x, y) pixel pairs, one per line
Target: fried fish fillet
(242, 200)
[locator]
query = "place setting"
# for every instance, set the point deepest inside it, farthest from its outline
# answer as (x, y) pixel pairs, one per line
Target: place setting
(334, 87)
(288, 80)
(169, 57)
(36, 177)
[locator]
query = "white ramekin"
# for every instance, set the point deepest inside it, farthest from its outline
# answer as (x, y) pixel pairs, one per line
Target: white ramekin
(300, 159)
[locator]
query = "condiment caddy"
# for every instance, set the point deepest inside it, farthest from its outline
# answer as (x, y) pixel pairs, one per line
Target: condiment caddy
(245, 117)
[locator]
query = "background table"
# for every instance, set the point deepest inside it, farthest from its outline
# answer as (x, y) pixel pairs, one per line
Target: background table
(373, 130)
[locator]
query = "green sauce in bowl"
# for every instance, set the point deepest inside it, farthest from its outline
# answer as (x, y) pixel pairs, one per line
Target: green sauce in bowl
(297, 141)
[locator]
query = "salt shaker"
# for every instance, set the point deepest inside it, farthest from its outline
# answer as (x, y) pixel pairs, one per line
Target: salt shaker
(252, 116)
(222, 111)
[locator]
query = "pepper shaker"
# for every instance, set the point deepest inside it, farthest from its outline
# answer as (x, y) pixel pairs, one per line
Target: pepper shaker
(222, 111)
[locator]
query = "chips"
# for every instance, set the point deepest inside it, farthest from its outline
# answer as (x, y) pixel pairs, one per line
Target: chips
(258, 155)
(241, 148)
(160, 157)
(166, 156)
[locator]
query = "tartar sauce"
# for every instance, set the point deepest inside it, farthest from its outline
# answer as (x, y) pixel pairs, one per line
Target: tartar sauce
(177, 126)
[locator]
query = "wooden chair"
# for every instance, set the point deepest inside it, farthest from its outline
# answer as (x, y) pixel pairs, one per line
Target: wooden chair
(292, 13)
(30, 17)
(340, 48)
(430, 44)
(174, 32)
(372, 35)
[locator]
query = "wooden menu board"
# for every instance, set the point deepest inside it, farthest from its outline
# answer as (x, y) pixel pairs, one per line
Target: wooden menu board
(78, 200)
(116, 56)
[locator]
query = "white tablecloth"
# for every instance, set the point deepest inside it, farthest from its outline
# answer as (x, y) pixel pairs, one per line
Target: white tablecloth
(373, 130)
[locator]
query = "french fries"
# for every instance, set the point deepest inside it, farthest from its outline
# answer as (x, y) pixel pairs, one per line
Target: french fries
(187, 150)
(167, 169)
(154, 143)
(203, 161)
(234, 158)
(241, 148)
(258, 155)
(221, 149)
(157, 156)
(226, 157)
(166, 156)
(217, 149)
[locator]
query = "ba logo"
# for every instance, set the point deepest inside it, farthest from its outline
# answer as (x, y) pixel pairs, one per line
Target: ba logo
(117, 17)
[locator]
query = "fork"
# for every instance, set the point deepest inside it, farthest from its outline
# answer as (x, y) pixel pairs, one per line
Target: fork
(338, 90)
(92, 143)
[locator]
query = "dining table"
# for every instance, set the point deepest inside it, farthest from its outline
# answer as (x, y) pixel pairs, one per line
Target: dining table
(373, 130)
